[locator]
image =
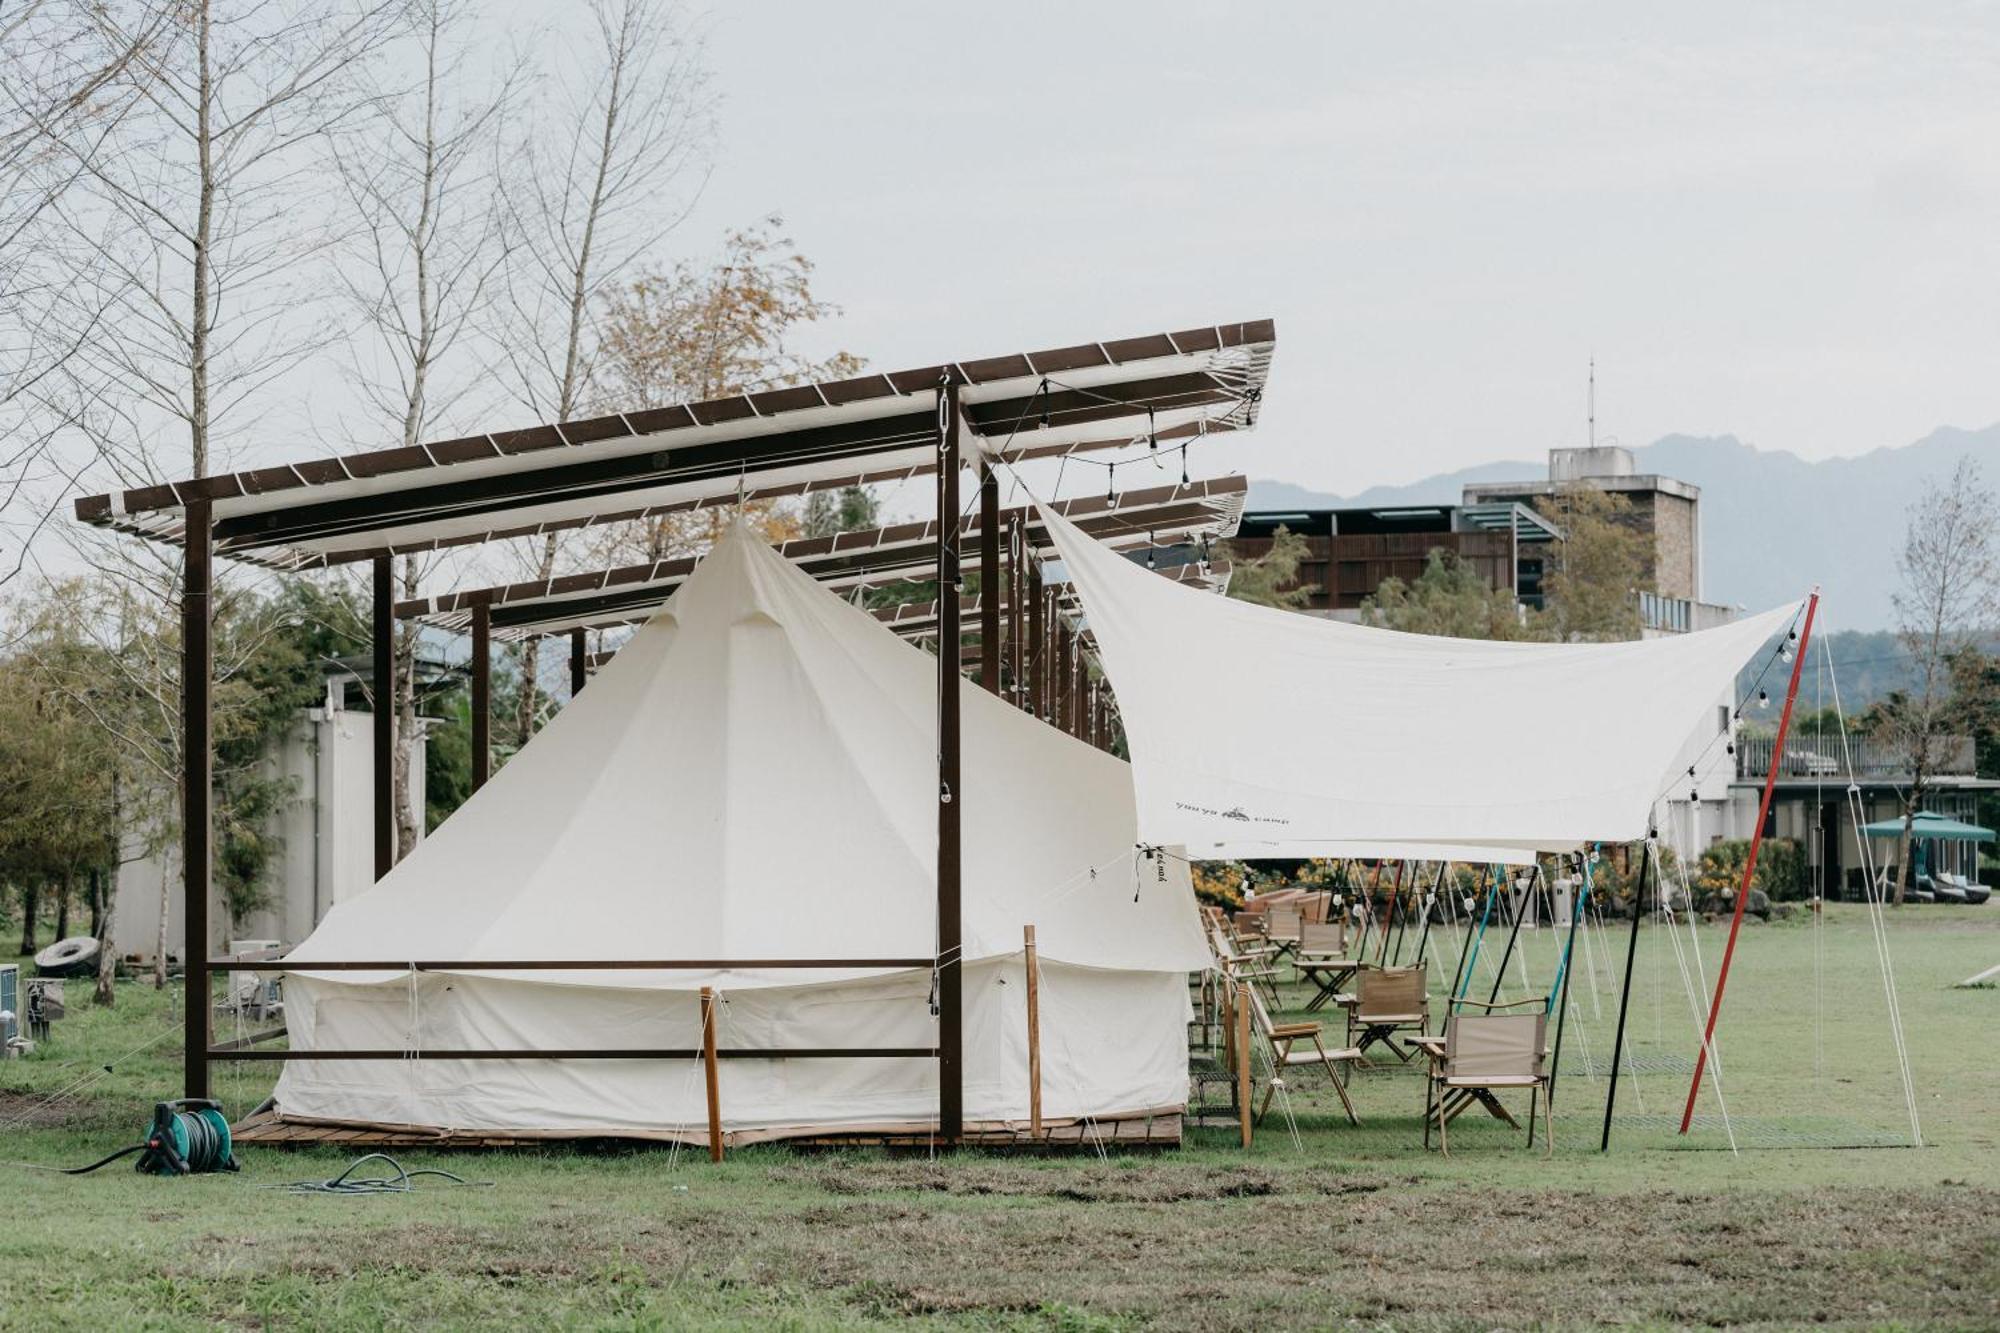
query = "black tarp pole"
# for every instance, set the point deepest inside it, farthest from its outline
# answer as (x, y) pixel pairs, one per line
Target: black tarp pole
(1568, 965)
(1437, 887)
(1465, 940)
(1514, 931)
(197, 788)
(1625, 995)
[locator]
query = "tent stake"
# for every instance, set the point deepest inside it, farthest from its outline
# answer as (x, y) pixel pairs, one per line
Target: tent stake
(1625, 995)
(709, 1070)
(1034, 970)
(1750, 861)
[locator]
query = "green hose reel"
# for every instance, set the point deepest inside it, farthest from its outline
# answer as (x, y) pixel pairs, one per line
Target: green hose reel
(189, 1136)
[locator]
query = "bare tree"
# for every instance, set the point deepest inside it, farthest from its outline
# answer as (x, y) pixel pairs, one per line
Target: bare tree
(192, 231)
(612, 166)
(61, 93)
(424, 185)
(1949, 595)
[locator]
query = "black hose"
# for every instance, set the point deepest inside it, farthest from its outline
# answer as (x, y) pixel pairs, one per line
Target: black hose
(106, 1161)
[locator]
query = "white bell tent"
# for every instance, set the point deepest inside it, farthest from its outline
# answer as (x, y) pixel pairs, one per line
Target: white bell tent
(754, 777)
(1252, 728)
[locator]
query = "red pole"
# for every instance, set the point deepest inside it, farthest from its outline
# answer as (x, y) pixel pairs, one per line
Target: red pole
(1750, 861)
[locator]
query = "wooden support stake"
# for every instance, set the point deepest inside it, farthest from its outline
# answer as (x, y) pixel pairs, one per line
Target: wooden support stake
(709, 1069)
(1034, 970)
(1243, 1058)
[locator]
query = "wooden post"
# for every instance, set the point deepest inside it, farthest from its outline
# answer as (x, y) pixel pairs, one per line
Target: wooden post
(951, 1035)
(579, 662)
(709, 1071)
(1034, 971)
(1750, 860)
(385, 715)
(1017, 555)
(482, 694)
(989, 578)
(197, 774)
(1038, 640)
(1243, 1058)
(1065, 676)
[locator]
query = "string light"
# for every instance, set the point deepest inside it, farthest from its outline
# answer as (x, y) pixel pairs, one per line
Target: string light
(1184, 476)
(1111, 483)
(1043, 391)
(1152, 430)
(1149, 551)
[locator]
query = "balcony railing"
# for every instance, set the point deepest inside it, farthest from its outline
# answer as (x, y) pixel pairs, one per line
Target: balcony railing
(1873, 757)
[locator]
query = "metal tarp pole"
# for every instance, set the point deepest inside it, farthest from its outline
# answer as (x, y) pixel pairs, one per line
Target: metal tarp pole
(1750, 861)
(989, 577)
(1625, 995)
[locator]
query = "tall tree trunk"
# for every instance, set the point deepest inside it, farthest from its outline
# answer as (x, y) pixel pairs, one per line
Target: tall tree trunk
(1907, 873)
(97, 901)
(107, 961)
(31, 903)
(62, 906)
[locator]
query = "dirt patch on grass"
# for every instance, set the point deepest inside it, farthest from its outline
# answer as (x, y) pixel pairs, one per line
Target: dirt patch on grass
(25, 1110)
(1224, 1248)
(1068, 1182)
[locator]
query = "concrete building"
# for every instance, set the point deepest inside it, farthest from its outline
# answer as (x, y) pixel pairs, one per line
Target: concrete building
(325, 832)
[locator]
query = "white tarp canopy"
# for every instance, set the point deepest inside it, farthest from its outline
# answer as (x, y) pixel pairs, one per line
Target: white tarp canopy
(1252, 727)
(753, 776)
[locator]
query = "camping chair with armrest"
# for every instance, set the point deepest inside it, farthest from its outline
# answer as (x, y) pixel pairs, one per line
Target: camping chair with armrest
(1388, 1000)
(1478, 1056)
(1321, 958)
(1281, 928)
(1282, 1040)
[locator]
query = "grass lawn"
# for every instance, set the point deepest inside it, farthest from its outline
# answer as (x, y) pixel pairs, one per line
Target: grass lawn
(1317, 1224)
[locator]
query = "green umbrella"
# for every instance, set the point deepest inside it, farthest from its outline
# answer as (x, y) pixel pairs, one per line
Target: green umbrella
(1929, 824)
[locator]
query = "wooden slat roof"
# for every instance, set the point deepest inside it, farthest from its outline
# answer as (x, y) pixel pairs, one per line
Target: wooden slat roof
(784, 442)
(632, 593)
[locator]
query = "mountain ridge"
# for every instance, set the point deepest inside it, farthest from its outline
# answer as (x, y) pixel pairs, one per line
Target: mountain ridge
(1839, 522)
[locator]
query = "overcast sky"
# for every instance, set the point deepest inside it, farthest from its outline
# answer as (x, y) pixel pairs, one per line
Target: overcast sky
(1777, 221)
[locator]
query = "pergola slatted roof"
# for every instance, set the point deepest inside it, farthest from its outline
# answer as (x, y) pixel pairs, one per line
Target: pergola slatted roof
(873, 428)
(605, 598)
(920, 619)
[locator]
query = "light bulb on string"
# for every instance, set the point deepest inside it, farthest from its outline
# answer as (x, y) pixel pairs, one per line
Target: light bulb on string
(1152, 430)
(1150, 562)
(1043, 393)
(1184, 476)
(1111, 483)
(1763, 699)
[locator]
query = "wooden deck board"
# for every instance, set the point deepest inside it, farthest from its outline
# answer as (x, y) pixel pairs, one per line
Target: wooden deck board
(1162, 1130)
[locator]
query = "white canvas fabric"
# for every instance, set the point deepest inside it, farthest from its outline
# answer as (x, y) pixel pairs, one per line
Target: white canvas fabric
(754, 776)
(1249, 725)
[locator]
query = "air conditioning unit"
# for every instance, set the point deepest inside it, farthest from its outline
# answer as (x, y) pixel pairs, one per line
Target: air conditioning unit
(10, 1010)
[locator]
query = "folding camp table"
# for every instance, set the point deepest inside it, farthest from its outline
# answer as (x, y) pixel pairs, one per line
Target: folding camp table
(1329, 974)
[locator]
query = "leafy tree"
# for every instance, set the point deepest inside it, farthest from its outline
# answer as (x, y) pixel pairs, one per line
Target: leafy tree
(850, 509)
(1600, 566)
(1271, 579)
(1449, 598)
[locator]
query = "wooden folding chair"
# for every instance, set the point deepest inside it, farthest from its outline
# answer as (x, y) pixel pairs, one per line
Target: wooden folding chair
(1283, 1038)
(1281, 928)
(1480, 1055)
(1321, 958)
(1388, 1000)
(1254, 968)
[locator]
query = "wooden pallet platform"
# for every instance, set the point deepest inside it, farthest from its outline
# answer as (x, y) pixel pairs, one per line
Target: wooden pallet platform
(1160, 1130)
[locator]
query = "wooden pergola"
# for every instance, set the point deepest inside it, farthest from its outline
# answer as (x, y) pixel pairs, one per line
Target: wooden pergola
(1163, 391)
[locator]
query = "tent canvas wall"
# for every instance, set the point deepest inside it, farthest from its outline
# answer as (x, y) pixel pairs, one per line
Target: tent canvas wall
(753, 776)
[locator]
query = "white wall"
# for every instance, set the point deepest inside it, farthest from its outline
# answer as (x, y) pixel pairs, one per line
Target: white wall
(327, 833)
